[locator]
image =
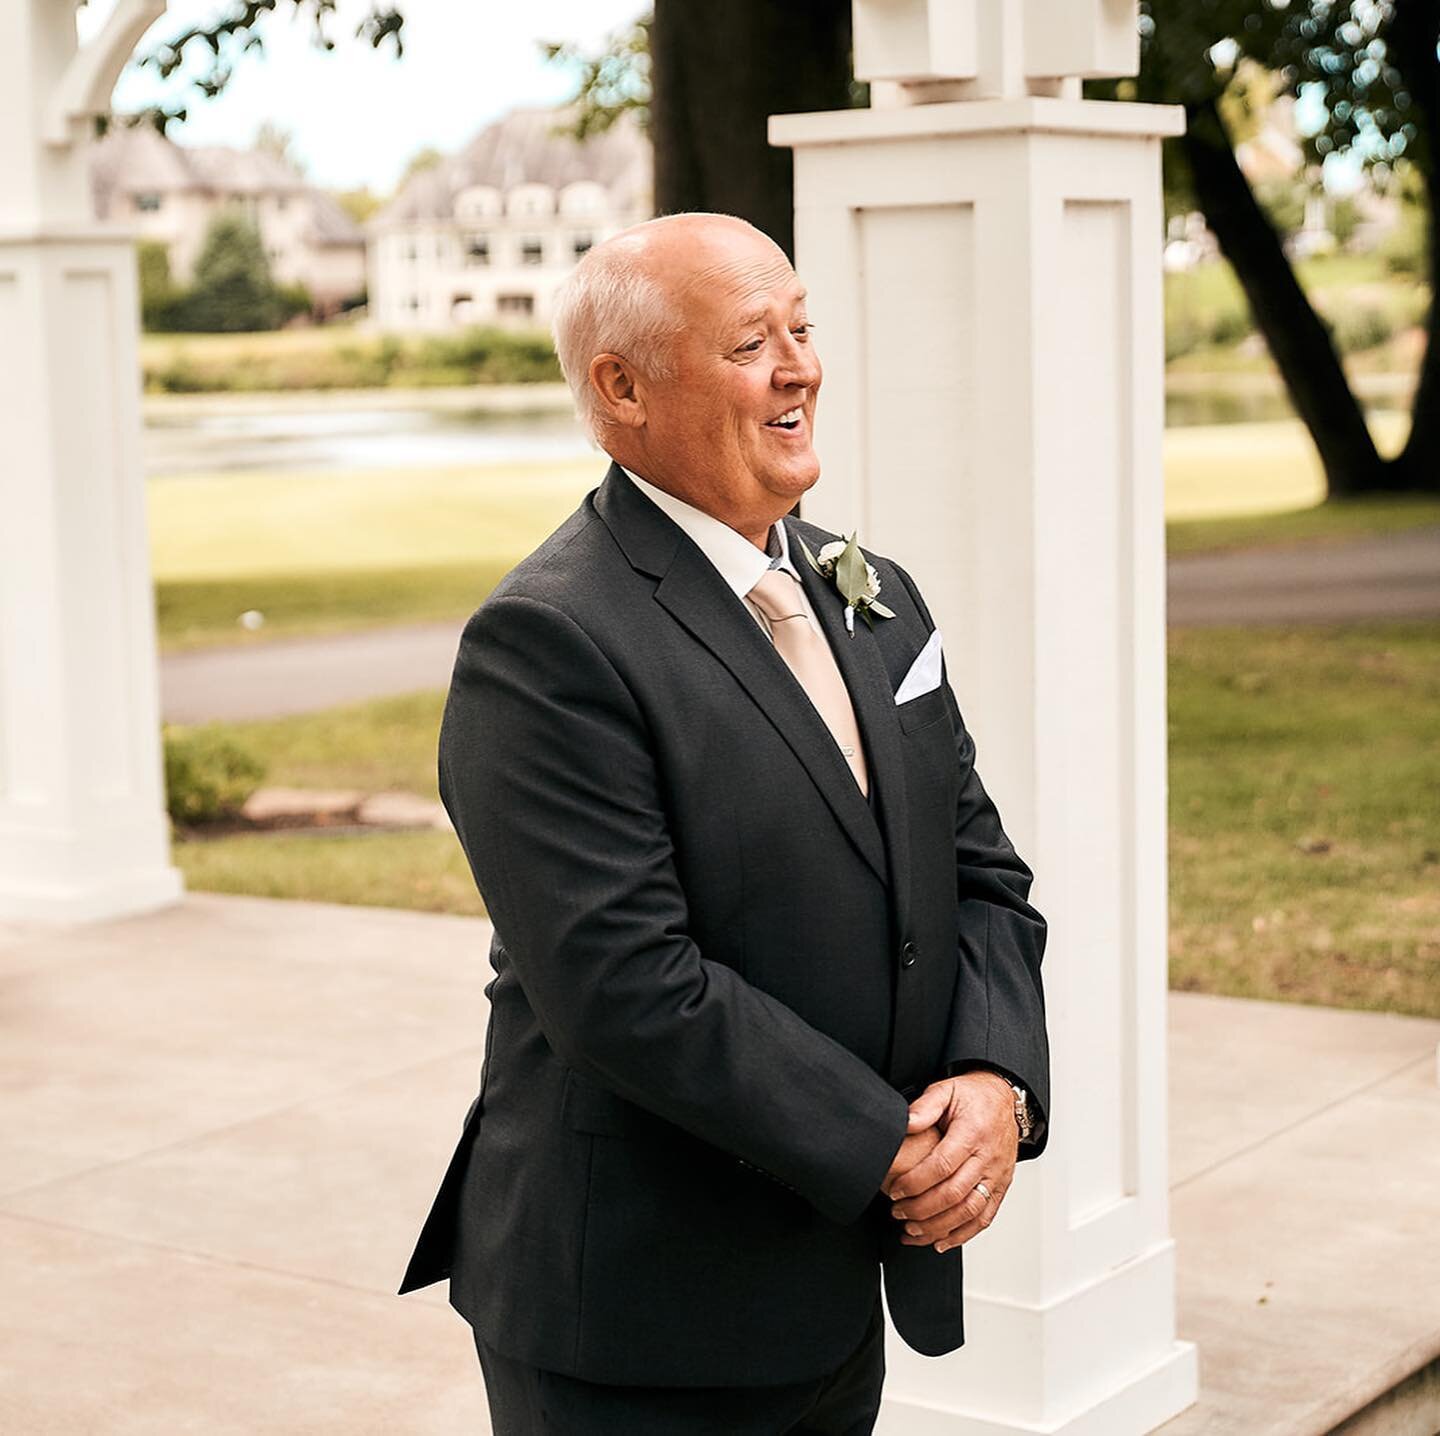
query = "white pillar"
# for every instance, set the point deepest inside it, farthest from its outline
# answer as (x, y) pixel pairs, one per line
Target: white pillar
(82, 826)
(985, 278)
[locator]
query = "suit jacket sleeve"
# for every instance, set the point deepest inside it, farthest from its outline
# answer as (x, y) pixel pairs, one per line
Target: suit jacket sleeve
(548, 773)
(997, 1019)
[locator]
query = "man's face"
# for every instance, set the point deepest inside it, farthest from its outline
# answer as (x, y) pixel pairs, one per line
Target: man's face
(731, 432)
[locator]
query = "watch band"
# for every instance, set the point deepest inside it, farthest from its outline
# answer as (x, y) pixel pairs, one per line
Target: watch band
(1023, 1119)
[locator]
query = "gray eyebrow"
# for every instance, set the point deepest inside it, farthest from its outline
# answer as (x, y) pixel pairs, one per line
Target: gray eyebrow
(754, 316)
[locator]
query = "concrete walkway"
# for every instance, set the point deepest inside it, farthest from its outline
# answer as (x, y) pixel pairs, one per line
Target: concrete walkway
(1393, 577)
(221, 1124)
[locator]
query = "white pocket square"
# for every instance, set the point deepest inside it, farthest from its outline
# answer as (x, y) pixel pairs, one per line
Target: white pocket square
(924, 673)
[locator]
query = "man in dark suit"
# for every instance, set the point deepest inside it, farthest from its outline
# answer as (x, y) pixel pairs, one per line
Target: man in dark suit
(767, 1017)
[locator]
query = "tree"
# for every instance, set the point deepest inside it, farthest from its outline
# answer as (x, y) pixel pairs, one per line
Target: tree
(158, 291)
(1375, 67)
(232, 289)
(425, 158)
(277, 141)
(359, 204)
(1374, 63)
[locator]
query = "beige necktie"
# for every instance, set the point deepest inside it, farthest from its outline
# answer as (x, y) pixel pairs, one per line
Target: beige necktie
(777, 596)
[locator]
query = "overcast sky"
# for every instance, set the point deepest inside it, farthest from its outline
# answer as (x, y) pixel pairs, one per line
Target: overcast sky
(358, 114)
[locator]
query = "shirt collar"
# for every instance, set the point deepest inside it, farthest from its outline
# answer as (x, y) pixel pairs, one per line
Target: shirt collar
(738, 561)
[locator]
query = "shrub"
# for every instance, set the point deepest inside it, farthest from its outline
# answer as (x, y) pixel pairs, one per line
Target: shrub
(207, 776)
(232, 289)
(1361, 327)
(1404, 248)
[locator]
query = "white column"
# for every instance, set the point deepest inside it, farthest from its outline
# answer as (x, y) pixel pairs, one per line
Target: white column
(82, 826)
(985, 279)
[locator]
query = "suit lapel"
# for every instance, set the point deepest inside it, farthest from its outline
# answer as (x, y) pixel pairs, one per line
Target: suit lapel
(698, 598)
(873, 699)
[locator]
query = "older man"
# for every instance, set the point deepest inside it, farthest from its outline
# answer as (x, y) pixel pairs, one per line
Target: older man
(767, 1015)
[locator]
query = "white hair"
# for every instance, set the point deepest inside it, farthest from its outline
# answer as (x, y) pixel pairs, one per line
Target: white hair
(609, 304)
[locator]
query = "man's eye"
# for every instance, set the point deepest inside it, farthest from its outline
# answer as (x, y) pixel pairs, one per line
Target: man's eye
(802, 331)
(752, 346)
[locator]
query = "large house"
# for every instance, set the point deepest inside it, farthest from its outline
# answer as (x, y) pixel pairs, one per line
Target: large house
(487, 235)
(168, 192)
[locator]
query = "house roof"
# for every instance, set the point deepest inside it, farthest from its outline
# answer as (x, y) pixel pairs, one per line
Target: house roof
(528, 146)
(138, 159)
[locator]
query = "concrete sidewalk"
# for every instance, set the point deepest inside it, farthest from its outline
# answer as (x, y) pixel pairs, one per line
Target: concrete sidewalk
(223, 1122)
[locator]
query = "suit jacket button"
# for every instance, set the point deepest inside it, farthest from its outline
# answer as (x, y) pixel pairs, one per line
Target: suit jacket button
(908, 954)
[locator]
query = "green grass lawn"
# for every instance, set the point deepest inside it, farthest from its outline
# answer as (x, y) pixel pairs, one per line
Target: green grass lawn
(426, 872)
(327, 553)
(1304, 814)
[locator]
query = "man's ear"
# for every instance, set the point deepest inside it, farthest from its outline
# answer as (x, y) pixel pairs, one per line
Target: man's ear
(615, 385)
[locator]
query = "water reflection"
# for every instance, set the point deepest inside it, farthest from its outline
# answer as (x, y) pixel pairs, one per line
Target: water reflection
(324, 439)
(329, 438)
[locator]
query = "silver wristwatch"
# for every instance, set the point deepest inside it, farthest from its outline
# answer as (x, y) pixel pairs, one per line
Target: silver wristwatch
(1023, 1119)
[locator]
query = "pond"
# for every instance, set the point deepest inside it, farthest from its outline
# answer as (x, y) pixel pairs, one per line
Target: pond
(329, 438)
(438, 430)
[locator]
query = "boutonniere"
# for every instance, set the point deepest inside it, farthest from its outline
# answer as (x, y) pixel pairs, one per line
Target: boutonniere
(842, 562)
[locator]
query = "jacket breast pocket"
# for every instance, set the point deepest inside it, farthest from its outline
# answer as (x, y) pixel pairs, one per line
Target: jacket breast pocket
(920, 712)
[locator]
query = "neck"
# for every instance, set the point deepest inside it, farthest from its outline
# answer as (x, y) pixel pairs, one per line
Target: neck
(753, 530)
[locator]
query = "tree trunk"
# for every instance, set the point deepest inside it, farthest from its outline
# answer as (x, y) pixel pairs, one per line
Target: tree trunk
(717, 71)
(1411, 38)
(1299, 342)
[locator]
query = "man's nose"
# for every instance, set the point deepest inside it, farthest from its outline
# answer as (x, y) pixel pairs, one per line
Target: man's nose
(800, 366)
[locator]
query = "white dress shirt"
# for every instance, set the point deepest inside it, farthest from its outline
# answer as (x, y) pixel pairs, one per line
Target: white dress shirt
(738, 561)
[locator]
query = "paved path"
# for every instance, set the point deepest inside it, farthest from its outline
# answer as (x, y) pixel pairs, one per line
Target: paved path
(298, 675)
(1397, 576)
(222, 1123)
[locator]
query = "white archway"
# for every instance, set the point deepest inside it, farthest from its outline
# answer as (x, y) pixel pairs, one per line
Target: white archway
(83, 831)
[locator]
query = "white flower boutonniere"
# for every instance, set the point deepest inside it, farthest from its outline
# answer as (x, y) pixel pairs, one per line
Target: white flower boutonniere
(858, 583)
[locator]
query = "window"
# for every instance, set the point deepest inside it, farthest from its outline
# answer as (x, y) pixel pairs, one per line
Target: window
(583, 243)
(532, 250)
(477, 249)
(515, 304)
(147, 203)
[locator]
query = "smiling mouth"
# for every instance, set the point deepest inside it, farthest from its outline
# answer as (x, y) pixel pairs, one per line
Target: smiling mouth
(788, 422)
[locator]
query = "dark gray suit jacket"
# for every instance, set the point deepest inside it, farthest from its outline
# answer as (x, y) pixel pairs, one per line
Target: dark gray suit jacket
(720, 973)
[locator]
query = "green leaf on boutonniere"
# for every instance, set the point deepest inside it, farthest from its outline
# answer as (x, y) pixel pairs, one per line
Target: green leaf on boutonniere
(854, 579)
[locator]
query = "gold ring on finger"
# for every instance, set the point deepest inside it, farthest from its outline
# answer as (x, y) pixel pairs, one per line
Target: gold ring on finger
(983, 1190)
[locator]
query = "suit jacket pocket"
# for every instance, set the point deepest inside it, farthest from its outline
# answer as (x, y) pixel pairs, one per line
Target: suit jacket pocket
(917, 712)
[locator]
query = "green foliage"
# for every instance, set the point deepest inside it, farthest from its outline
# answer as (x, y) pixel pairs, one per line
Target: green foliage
(208, 775)
(1344, 220)
(158, 292)
(1405, 250)
(232, 290)
(478, 355)
(219, 42)
(1361, 327)
(1204, 307)
(1283, 200)
(610, 80)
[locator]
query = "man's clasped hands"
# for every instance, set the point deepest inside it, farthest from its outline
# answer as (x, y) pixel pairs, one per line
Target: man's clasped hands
(961, 1131)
